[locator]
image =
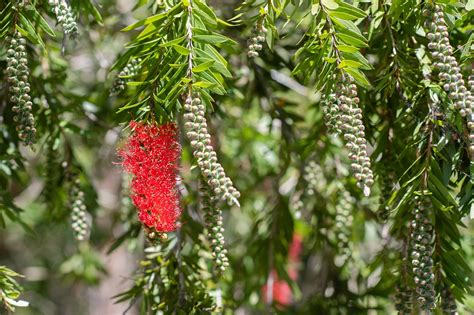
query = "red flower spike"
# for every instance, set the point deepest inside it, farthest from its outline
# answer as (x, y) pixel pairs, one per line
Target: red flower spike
(151, 155)
(281, 290)
(295, 248)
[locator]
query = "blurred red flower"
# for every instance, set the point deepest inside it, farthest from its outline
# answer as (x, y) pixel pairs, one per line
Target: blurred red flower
(151, 155)
(281, 291)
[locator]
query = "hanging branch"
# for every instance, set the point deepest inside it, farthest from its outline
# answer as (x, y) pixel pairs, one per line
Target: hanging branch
(343, 115)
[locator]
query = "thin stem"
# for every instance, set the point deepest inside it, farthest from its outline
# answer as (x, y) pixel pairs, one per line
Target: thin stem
(333, 35)
(189, 46)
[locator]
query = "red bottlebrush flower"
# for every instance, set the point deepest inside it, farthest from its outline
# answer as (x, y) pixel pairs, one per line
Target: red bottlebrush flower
(281, 291)
(151, 155)
(295, 248)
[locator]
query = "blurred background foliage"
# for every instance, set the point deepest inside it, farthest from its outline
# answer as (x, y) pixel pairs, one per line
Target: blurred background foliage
(269, 130)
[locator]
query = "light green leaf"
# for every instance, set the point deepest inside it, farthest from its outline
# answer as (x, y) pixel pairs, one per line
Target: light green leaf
(330, 4)
(470, 5)
(358, 76)
(173, 42)
(315, 9)
(350, 9)
(148, 20)
(348, 49)
(180, 49)
(204, 84)
(349, 63)
(352, 40)
(330, 59)
(214, 39)
(34, 16)
(203, 66)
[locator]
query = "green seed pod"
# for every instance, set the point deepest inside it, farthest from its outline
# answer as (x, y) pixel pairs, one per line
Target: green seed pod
(347, 117)
(78, 218)
(199, 137)
(17, 70)
(132, 69)
(257, 37)
(343, 224)
(213, 221)
(448, 302)
(441, 52)
(421, 238)
(65, 17)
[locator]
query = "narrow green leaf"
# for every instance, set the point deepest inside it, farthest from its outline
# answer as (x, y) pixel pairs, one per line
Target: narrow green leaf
(350, 9)
(203, 84)
(351, 40)
(348, 49)
(358, 76)
(330, 4)
(349, 63)
(36, 17)
(148, 20)
(214, 39)
(180, 49)
(173, 42)
(342, 14)
(203, 66)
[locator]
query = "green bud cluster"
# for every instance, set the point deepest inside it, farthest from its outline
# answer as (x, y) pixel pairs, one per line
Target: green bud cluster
(65, 17)
(385, 192)
(255, 43)
(298, 205)
(449, 70)
(130, 70)
(344, 225)
(214, 225)
(18, 74)
(197, 133)
(78, 212)
(470, 120)
(403, 299)
(312, 176)
(448, 303)
(51, 172)
(345, 117)
(332, 115)
(421, 255)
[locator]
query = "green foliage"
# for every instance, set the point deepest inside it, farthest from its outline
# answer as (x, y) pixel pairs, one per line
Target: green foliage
(10, 290)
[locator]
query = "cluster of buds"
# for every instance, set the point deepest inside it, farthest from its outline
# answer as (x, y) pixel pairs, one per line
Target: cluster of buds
(18, 74)
(78, 211)
(65, 17)
(344, 225)
(314, 181)
(449, 70)
(255, 43)
(214, 221)
(403, 299)
(386, 187)
(51, 172)
(421, 255)
(332, 115)
(345, 117)
(313, 178)
(470, 120)
(197, 133)
(130, 70)
(448, 303)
